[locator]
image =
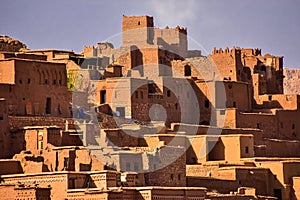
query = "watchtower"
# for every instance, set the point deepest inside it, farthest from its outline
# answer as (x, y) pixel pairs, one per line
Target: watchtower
(137, 30)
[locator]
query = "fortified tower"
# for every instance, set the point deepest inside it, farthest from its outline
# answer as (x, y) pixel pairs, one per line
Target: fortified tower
(137, 30)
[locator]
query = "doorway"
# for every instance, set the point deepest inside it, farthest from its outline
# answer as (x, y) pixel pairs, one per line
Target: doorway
(48, 105)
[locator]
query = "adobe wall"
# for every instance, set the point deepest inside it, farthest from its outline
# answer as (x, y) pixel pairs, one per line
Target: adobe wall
(296, 188)
(10, 167)
(199, 170)
(226, 147)
(120, 138)
(173, 175)
(258, 178)
(7, 72)
(137, 30)
(291, 81)
(21, 121)
(212, 184)
(283, 101)
(281, 124)
(172, 39)
(28, 192)
(283, 173)
(58, 182)
(4, 136)
(264, 121)
(32, 76)
(228, 63)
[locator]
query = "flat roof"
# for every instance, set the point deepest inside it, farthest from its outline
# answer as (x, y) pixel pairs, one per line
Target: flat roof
(58, 173)
(31, 60)
(47, 50)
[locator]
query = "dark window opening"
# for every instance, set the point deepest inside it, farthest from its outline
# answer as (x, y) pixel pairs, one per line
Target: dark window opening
(179, 177)
(139, 23)
(246, 149)
(66, 163)
(48, 106)
(168, 93)
(234, 104)
(176, 106)
(136, 94)
(54, 82)
(102, 96)
(71, 184)
(293, 126)
(270, 97)
(20, 81)
(28, 81)
(206, 103)
(59, 82)
(258, 125)
(120, 111)
(1, 118)
(187, 70)
(46, 81)
(222, 112)
(172, 177)
(278, 194)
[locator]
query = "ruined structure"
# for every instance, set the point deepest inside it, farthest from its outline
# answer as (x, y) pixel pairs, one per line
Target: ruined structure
(150, 119)
(10, 44)
(291, 81)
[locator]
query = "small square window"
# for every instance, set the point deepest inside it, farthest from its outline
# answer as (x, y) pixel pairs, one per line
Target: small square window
(168, 93)
(222, 112)
(246, 149)
(270, 97)
(206, 103)
(234, 104)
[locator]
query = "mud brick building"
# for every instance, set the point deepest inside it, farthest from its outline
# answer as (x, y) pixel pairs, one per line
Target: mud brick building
(150, 119)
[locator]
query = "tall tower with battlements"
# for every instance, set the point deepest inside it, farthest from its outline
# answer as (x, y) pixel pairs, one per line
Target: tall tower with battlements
(137, 30)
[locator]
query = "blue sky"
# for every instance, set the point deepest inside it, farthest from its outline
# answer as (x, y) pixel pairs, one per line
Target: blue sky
(273, 25)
